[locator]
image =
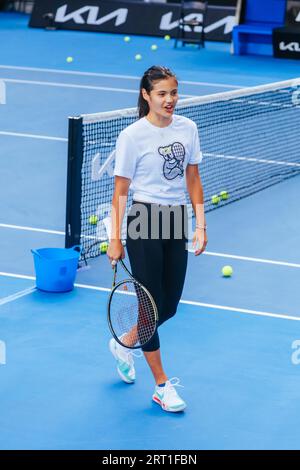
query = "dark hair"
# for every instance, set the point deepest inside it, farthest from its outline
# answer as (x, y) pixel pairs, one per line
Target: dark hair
(156, 72)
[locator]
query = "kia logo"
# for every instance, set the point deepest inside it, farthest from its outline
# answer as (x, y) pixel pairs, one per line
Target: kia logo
(92, 12)
(291, 46)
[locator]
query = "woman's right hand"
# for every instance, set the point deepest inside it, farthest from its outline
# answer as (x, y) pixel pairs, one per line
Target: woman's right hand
(115, 251)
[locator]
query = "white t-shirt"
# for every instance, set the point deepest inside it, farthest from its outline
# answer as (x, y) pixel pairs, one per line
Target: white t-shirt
(155, 159)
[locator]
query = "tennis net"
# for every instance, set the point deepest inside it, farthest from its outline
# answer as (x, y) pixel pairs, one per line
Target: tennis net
(249, 138)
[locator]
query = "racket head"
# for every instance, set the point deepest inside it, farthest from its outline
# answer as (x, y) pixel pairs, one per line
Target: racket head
(131, 311)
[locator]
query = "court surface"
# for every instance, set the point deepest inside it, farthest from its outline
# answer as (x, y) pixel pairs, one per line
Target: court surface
(233, 342)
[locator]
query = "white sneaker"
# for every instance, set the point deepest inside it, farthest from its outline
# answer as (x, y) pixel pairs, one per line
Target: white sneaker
(168, 398)
(125, 363)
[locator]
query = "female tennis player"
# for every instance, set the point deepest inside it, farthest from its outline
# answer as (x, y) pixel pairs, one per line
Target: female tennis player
(158, 157)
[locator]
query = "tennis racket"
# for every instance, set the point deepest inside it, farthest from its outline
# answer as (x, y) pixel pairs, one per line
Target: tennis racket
(131, 313)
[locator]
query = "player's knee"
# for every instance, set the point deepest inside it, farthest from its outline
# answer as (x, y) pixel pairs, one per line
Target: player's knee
(166, 316)
(171, 314)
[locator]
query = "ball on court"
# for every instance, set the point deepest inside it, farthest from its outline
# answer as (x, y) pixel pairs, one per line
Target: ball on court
(69, 59)
(154, 47)
(103, 247)
(224, 195)
(167, 37)
(215, 199)
(138, 57)
(93, 219)
(227, 271)
(127, 39)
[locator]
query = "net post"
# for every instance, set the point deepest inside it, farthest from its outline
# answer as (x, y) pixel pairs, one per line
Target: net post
(73, 199)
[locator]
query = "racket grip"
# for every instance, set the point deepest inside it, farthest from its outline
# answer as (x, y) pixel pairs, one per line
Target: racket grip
(114, 262)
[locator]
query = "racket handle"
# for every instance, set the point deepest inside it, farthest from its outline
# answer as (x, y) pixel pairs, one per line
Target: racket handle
(114, 262)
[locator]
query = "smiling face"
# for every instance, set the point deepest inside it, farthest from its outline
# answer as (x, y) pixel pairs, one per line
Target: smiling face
(162, 99)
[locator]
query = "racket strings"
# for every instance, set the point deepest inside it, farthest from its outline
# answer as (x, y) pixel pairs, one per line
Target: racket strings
(132, 314)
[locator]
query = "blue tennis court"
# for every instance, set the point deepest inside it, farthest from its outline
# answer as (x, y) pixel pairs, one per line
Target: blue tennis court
(234, 341)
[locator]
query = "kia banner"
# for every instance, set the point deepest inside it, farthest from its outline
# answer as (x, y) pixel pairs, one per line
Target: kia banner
(128, 17)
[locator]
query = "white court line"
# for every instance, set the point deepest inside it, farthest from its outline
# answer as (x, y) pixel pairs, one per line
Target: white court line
(85, 87)
(69, 85)
(247, 258)
(17, 276)
(252, 159)
(241, 310)
(109, 75)
(220, 85)
(32, 229)
(17, 295)
(186, 302)
(33, 136)
(207, 253)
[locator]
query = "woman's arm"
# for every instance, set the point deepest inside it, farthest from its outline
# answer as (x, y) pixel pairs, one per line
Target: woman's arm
(115, 250)
(195, 190)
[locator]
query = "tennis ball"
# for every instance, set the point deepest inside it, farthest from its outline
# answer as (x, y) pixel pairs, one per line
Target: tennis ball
(69, 59)
(215, 199)
(138, 57)
(227, 271)
(103, 247)
(224, 195)
(154, 47)
(93, 219)
(127, 38)
(167, 37)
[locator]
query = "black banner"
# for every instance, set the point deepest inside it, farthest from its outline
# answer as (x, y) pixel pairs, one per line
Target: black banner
(286, 43)
(128, 459)
(293, 14)
(127, 17)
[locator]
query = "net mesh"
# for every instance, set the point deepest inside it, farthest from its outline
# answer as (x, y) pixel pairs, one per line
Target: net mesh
(249, 138)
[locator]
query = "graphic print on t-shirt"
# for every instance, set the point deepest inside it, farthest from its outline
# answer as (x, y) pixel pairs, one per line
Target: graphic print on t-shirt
(173, 160)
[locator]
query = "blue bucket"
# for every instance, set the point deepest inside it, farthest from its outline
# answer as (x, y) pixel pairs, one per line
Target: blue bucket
(55, 268)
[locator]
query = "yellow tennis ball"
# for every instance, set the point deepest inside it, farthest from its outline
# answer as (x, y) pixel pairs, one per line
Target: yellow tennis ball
(167, 37)
(154, 47)
(127, 39)
(69, 59)
(224, 195)
(227, 271)
(138, 57)
(215, 199)
(103, 247)
(93, 219)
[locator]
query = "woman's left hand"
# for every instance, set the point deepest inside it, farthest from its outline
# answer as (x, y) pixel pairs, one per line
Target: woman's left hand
(199, 241)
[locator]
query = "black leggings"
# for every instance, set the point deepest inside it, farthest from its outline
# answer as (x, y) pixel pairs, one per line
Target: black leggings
(158, 260)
